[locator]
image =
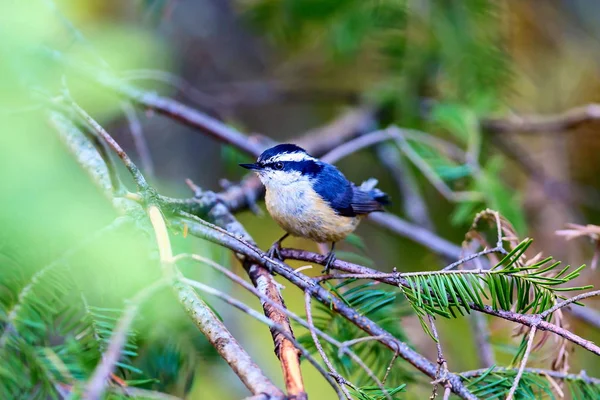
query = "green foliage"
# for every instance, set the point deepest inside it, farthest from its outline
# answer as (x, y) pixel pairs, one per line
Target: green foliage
(343, 27)
(375, 393)
(508, 286)
(30, 318)
(448, 51)
(498, 195)
(495, 384)
(95, 333)
(45, 339)
(382, 306)
(463, 124)
(51, 338)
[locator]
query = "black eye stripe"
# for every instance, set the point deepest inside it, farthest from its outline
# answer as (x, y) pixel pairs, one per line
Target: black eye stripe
(306, 167)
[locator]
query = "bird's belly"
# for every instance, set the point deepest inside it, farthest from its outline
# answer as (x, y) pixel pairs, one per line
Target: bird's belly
(302, 212)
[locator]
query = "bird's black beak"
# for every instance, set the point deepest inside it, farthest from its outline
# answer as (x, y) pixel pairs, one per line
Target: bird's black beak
(253, 167)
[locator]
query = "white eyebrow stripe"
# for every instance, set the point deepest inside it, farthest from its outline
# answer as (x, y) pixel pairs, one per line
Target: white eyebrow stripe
(290, 157)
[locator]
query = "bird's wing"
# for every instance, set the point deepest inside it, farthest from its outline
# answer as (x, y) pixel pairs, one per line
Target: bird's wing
(364, 202)
(335, 189)
(346, 198)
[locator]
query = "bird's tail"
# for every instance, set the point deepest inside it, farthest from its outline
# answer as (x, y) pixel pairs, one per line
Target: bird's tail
(379, 196)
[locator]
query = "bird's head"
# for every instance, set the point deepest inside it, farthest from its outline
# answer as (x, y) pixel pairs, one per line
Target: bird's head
(285, 164)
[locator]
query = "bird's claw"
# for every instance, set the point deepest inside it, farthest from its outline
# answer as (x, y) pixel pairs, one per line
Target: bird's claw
(275, 251)
(329, 262)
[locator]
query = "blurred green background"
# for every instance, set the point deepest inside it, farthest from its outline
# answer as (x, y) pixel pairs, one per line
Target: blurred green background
(281, 68)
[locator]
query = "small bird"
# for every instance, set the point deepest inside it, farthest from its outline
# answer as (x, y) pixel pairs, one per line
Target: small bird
(312, 199)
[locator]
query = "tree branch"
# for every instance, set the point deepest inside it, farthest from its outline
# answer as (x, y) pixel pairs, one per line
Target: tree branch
(569, 301)
(199, 312)
(270, 323)
(311, 327)
(212, 327)
(343, 347)
(544, 124)
(322, 295)
(397, 279)
(141, 145)
(263, 281)
(515, 384)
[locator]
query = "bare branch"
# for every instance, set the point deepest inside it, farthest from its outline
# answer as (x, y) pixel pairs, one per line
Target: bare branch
(569, 301)
(543, 124)
(311, 327)
(442, 371)
(208, 323)
(325, 297)
(397, 279)
(134, 171)
(141, 145)
(254, 314)
(264, 281)
(515, 384)
(343, 347)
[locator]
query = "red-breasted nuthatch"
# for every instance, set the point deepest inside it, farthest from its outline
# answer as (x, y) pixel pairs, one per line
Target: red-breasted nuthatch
(312, 199)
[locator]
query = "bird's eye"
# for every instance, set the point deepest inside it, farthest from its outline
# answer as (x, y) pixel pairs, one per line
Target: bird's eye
(278, 166)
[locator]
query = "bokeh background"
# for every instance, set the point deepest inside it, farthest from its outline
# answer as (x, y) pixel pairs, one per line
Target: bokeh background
(281, 68)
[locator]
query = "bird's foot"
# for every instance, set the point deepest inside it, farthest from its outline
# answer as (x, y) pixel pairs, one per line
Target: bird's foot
(329, 262)
(275, 251)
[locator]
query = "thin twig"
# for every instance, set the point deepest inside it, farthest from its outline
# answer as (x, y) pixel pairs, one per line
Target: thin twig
(372, 138)
(428, 172)
(97, 382)
(442, 364)
(474, 256)
(399, 135)
(139, 140)
(389, 367)
(342, 382)
(346, 345)
(265, 299)
(417, 234)
(544, 124)
(133, 170)
(413, 203)
(256, 315)
(208, 323)
(515, 384)
(327, 299)
(569, 301)
(395, 280)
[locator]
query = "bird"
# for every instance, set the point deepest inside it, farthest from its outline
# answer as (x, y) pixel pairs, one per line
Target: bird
(312, 199)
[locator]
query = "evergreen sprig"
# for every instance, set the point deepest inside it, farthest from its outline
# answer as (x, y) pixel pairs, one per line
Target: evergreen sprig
(495, 383)
(47, 342)
(509, 286)
(382, 306)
